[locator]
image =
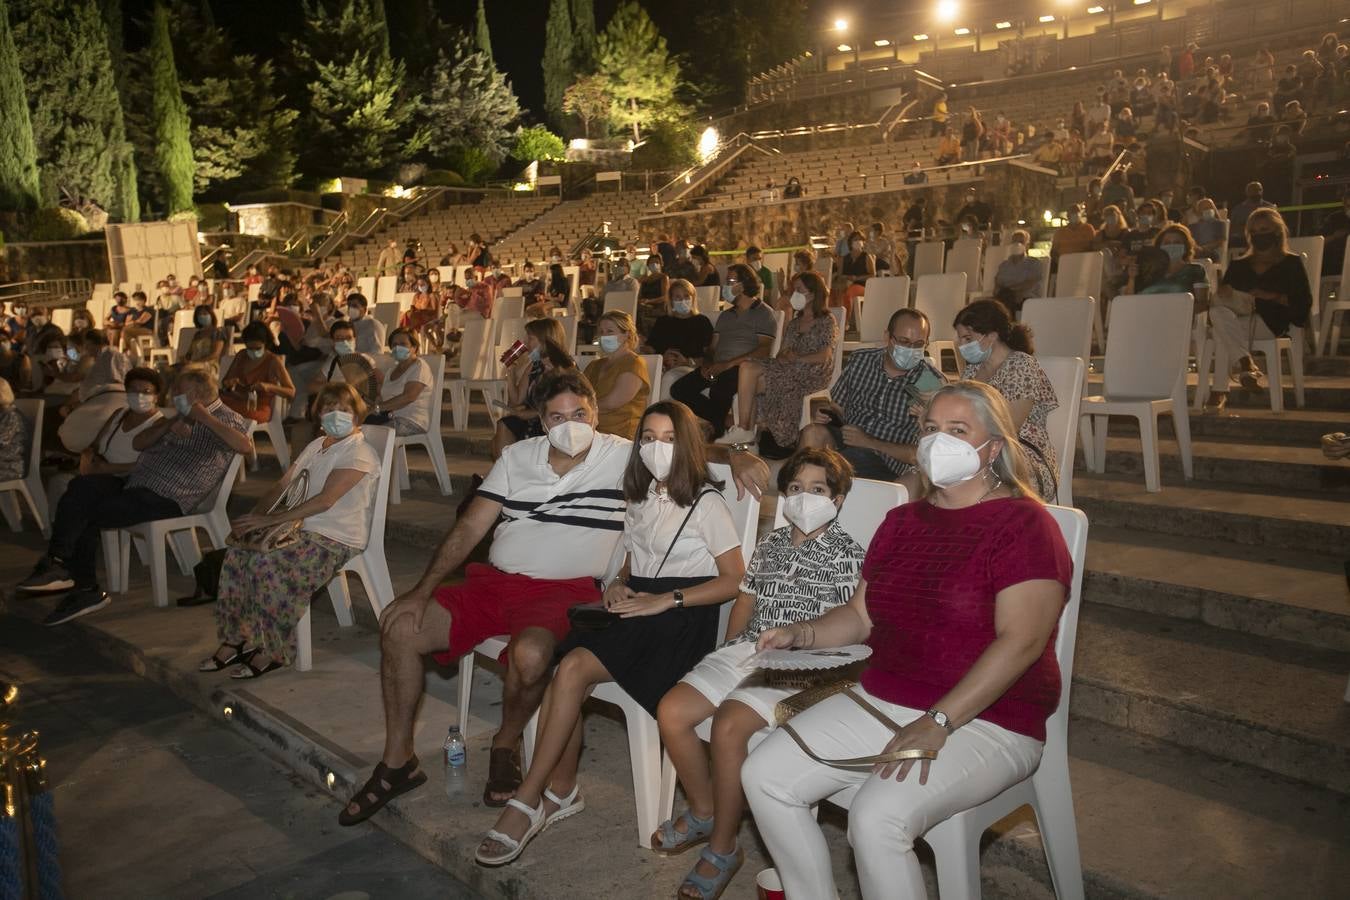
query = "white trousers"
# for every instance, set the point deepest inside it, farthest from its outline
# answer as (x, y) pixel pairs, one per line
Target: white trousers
(979, 761)
(1233, 334)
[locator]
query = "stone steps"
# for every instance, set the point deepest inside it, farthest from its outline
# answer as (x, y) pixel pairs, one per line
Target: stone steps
(1214, 510)
(1263, 703)
(1293, 427)
(1281, 594)
(1275, 468)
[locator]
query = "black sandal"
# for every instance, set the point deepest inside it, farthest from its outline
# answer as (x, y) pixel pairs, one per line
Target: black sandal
(373, 795)
(214, 663)
(504, 776)
(248, 670)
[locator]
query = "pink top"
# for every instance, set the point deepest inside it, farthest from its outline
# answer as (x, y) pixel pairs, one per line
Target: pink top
(932, 576)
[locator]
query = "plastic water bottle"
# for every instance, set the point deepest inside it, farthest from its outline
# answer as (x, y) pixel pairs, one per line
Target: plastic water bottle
(456, 761)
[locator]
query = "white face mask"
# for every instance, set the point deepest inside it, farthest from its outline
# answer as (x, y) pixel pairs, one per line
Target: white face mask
(947, 460)
(681, 306)
(355, 312)
(140, 403)
(1017, 248)
(657, 457)
(610, 343)
(809, 511)
(571, 437)
(798, 301)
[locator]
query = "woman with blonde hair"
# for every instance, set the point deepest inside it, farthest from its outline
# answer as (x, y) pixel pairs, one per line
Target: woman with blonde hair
(1264, 292)
(619, 376)
(960, 596)
(544, 339)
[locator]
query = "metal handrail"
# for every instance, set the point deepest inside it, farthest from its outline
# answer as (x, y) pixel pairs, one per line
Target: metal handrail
(694, 176)
(46, 291)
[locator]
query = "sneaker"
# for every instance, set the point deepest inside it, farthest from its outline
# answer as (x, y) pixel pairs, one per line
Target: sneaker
(48, 575)
(77, 603)
(737, 435)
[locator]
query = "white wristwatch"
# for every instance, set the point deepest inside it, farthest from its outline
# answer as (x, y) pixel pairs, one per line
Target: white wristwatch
(941, 718)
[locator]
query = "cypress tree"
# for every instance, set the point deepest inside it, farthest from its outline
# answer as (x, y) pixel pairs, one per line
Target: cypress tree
(558, 54)
(583, 20)
(173, 143)
(126, 201)
(73, 102)
(18, 153)
(482, 38)
(378, 15)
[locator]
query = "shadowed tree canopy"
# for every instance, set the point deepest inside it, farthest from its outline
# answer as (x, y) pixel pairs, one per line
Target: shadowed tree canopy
(468, 105)
(558, 59)
(172, 129)
(583, 23)
(481, 36)
(73, 103)
(18, 154)
(640, 74)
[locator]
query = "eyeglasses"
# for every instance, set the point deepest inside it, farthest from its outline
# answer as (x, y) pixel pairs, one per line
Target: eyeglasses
(912, 345)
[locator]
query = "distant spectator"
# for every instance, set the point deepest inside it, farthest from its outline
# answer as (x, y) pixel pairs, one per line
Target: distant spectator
(369, 330)
(706, 274)
(1076, 236)
(1294, 117)
(1051, 155)
(652, 290)
(1175, 272)
(1260, 124)
(1125, 124)
(841, 234)
(1208, 231)
(586, 268)
(681, 337)
(1191, 213)
(879, 247)
(619, 376)
(1116, 192)
(754, 258)
(1237, 218)
(256, 376)
(916, 174)
(684, 266)
(939, 115)
(974, 206)
(972, 132)
(1335, 228)
(948, 149)
(915, 219)
(1100, 149)
(793, 189)
(1099, 113)
(530, 284)
(1186, 62)
(1261, 73)
(1019, 276)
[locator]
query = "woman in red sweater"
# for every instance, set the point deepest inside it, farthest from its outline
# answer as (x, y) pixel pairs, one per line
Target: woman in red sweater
(959, 600)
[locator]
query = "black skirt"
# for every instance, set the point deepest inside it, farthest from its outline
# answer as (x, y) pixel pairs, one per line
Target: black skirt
(647, 655)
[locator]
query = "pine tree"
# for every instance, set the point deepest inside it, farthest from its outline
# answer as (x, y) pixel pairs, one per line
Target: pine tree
(360, 115)
(588, 100)
(583, 20)
(641, 74)
(558, 51)
(18, 153)
(481, 36)
(173, 129)
(73, 102)
(470, 105)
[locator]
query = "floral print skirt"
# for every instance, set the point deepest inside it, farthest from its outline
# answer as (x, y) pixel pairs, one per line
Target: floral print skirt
(263, 596)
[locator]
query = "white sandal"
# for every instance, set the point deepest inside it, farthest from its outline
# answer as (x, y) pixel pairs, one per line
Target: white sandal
(570, 805)
(515, 847)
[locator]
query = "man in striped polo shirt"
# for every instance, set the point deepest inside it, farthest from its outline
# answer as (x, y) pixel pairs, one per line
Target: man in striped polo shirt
(556, 504)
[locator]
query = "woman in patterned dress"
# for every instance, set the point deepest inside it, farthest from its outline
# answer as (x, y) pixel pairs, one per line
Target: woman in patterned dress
(264, 595)
(999, 353)
(771, 390)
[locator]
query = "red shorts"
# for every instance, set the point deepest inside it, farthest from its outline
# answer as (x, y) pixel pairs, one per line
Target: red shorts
(490, 602)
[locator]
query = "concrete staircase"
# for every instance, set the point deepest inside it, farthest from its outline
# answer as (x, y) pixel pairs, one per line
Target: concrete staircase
(1210, 747)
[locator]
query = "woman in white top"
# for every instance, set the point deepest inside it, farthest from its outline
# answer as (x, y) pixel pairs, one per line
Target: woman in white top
(683, 562)
(111, 452)
(263, 596)
(405, 397)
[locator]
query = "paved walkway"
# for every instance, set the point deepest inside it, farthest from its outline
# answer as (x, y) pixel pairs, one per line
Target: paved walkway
(155, 799)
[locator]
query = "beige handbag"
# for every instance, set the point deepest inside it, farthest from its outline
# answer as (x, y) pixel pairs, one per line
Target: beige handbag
(267, 538)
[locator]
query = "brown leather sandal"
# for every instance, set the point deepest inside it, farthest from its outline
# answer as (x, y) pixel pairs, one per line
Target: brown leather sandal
(373, 795)
(504, 775)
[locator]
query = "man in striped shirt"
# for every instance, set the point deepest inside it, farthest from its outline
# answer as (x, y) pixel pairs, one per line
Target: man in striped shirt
(555, 507)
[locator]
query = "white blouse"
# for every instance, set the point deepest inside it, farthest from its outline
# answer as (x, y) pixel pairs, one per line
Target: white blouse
(650, 526)
(419, 411)
(348, 520)
(117, 448)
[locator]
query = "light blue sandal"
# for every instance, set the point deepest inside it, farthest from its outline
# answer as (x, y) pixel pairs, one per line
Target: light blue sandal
(673, 843)
(727, 864)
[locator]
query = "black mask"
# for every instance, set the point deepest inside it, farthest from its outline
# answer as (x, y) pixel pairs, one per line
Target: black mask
(1264, 240)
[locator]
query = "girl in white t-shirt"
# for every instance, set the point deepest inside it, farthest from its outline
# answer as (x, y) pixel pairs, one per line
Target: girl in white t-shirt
(263, 596)
(683, 562)
(405, 397)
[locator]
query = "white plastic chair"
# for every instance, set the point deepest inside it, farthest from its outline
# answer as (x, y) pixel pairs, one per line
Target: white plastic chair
(211, 515)
(1145, 376)
(994, 255)
(275, 429)
(386, 286)
(941, 298)
(1062, 327)
(1080, 275)
(965, 257)
(403, 300)
(864, 509)
(928, 259)
(29, 487)
(365, 286)
(955, 842)
(1068, 377)
(779, 324)
(707, 301)
(430, 439)
(882, 298)
(624, 300)
(509, 307)
(1332, 312)
(824, 394)
(654, 363)
(476, 367)
(369, 565)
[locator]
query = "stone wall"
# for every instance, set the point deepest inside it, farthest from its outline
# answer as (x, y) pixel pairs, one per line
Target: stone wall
(56, 259)
(279, 220)
(1013, 193)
